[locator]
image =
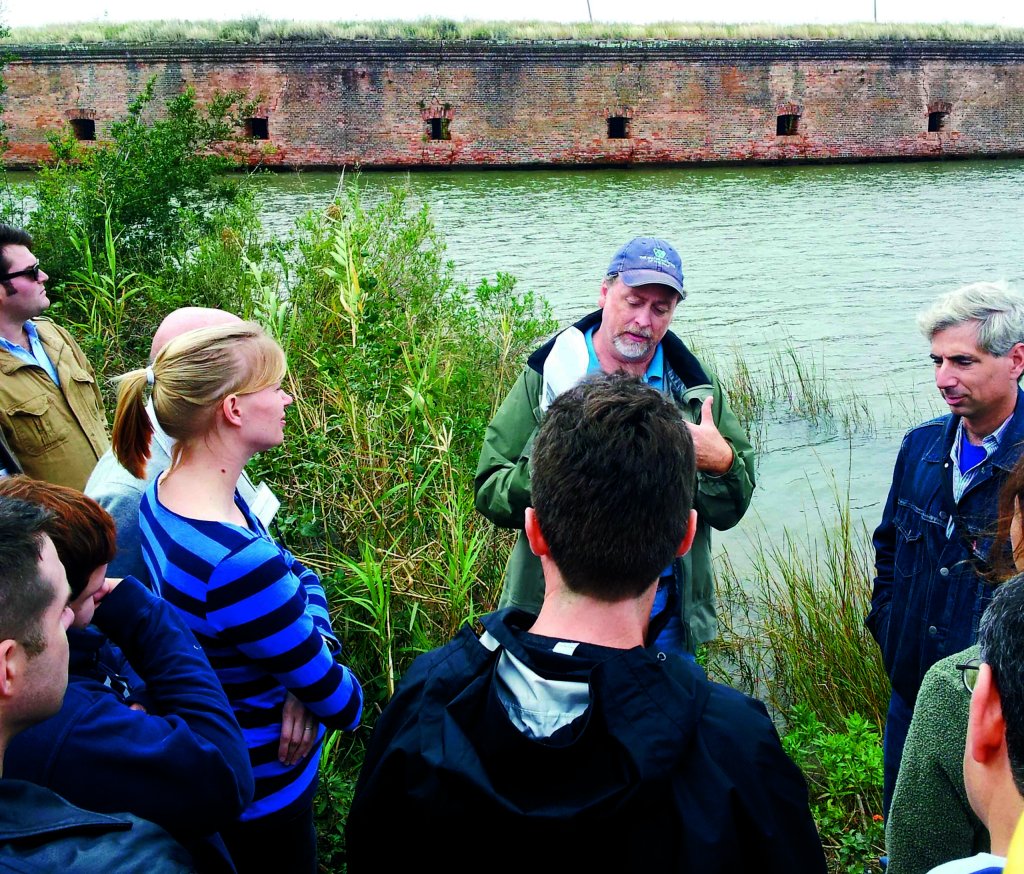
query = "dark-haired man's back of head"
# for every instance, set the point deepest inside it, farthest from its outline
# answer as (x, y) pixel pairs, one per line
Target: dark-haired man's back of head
(613, 477)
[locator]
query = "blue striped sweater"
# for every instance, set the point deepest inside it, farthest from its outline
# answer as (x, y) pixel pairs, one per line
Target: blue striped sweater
(261, 617)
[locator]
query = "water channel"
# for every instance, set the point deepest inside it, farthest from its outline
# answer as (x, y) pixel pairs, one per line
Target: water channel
(832, 261)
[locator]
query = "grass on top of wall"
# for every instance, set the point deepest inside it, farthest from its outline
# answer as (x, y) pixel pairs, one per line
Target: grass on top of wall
(263, 30)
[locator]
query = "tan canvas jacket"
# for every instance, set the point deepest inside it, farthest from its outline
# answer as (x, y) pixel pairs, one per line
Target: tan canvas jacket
(58, 434)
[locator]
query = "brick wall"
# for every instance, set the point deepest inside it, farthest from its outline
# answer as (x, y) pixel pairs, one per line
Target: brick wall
(378, 104)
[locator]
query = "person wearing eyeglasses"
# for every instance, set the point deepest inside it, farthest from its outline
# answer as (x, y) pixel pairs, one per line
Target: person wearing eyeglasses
(993, 759)
(931, 820)
(51, 412)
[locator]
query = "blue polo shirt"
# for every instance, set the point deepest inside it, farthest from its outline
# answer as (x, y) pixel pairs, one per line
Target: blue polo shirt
(35, 354)
(655, 374)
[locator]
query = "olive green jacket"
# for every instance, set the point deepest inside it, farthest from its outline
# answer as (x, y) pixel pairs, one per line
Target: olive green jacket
(503, 478)
(57, 434)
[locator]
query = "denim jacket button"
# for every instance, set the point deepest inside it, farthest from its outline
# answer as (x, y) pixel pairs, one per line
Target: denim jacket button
(932, 630)
(943, 515)
(943, 571)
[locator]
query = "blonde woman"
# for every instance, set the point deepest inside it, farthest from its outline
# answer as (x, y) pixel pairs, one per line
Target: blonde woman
(260, 614)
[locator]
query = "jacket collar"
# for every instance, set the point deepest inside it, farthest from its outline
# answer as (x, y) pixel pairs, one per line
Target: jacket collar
(28, 811)
(679, 358)
(1009, 444)
(10, 363)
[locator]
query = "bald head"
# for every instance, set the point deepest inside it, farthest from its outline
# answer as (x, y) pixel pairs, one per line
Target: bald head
(187, 319)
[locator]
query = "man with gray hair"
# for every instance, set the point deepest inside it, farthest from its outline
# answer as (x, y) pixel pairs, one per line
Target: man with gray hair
(932, 546)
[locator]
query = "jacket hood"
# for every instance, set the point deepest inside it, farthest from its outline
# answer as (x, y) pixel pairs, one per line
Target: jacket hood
(642, 717)
(682, 361)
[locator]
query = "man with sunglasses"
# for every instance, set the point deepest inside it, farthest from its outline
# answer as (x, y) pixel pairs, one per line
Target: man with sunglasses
(51, 412)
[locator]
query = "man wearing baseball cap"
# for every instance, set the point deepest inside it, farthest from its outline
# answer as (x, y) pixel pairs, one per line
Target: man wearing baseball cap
(629, 333)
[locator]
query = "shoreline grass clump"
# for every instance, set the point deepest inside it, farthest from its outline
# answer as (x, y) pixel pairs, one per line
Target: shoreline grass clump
(793, 635)
(256, 29)
(786, 385)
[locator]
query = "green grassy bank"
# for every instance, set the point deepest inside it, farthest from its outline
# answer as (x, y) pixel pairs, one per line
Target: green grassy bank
(396, 368)
(263, 30)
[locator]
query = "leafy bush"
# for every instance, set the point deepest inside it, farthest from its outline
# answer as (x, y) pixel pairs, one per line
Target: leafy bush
(158, 183)
(844, 774)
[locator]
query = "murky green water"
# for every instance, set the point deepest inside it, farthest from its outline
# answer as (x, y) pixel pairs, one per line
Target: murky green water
(833, 260)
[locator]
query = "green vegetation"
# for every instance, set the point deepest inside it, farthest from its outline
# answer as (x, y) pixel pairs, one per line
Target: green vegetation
(794, 637)
(794, 634)
(786, 385)
(843, 768)
(262, 30)
(396, 369)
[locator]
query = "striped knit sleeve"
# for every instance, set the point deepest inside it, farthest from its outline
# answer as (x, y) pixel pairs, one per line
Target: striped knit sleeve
(258, 604)
(316, 601)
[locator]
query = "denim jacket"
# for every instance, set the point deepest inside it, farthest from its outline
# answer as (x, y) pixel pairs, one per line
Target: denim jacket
(930, 592)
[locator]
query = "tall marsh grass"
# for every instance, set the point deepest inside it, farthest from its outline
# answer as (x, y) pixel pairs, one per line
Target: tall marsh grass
(793, 629)
(786, 385)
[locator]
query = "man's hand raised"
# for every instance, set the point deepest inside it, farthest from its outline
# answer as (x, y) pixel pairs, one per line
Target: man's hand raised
(714, 454)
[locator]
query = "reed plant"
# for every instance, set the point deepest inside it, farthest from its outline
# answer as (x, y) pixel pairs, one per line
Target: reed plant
(786, 385)
(793, 629)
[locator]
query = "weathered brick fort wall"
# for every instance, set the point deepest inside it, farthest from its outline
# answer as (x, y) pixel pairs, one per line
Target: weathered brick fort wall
(388, 104)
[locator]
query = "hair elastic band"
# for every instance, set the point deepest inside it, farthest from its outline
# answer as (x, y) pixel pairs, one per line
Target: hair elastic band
(150, 376)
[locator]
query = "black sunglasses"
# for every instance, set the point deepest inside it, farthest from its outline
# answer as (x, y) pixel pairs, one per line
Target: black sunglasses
(32, 271)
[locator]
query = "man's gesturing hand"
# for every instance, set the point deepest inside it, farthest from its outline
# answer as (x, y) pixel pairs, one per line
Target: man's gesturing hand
(714, 454)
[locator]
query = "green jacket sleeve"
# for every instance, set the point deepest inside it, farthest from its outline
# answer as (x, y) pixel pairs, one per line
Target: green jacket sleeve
(722, 500)
(502, 483)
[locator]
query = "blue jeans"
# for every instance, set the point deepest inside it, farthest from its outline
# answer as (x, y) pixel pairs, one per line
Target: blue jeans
(897, 724)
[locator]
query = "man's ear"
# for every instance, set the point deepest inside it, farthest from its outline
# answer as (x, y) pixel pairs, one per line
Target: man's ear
(691, 532)
(232, 411)
(986, 728)
(10, 667)
(538, 545)
(1016, 357)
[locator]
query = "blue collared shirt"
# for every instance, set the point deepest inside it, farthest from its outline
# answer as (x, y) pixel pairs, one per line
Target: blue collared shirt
(654, 375)
(962, 479)
(35, 354)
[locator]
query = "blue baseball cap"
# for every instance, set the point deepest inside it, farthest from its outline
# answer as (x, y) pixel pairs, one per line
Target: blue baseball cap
(646, 261)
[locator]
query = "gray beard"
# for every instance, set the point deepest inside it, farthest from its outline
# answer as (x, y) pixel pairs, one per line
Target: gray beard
(632, 351)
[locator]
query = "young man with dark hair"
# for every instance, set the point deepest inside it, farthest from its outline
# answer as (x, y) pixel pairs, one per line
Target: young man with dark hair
(563, 736)
(994, 755)
(51, 414)
(39, 830)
